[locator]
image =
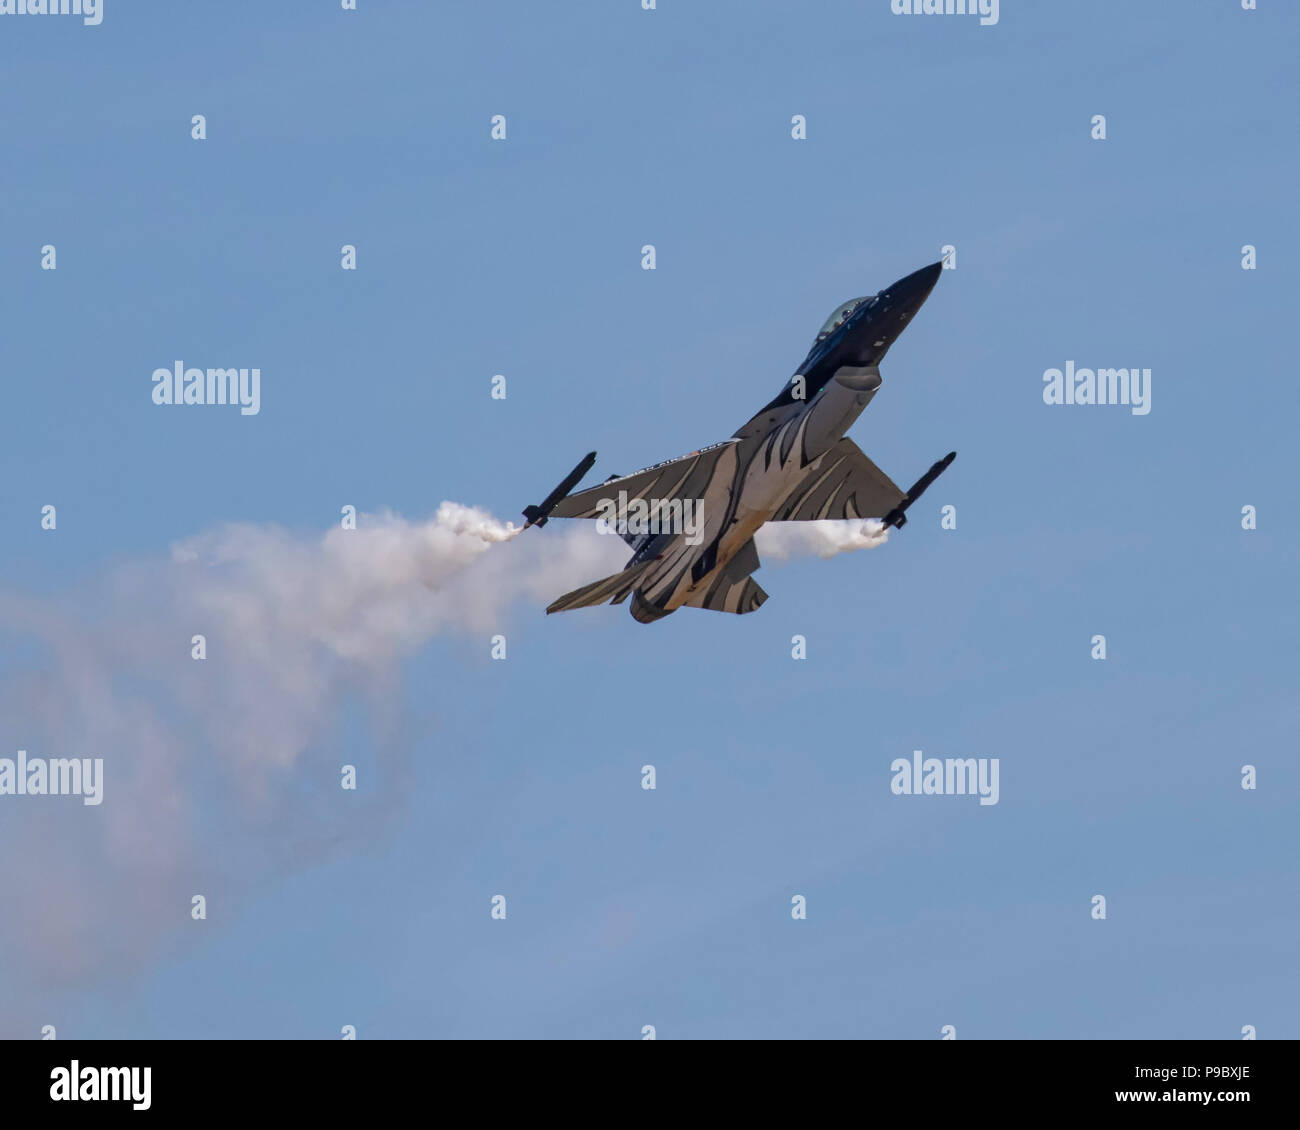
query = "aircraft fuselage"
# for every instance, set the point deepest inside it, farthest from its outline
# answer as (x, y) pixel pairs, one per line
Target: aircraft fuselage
(773, 451)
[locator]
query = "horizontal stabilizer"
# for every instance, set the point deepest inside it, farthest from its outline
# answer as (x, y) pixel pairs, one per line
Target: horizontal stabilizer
(613, 589)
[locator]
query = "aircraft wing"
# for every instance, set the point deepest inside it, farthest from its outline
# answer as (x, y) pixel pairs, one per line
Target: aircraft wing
(687, 477)
(843, 483)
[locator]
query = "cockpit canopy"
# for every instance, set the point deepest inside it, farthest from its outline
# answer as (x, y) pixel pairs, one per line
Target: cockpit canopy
(840, 315)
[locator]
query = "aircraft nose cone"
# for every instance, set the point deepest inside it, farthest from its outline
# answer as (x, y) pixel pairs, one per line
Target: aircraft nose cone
(891, 312)
(905, 297)
(916, 287)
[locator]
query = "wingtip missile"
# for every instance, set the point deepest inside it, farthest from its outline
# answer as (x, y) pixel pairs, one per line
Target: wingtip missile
(538, 515)
(898, 516)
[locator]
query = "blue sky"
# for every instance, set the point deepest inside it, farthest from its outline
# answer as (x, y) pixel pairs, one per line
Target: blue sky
(672, 127)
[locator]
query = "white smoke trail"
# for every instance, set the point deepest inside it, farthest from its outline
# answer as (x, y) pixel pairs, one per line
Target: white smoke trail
(223, 774)
(782, 540)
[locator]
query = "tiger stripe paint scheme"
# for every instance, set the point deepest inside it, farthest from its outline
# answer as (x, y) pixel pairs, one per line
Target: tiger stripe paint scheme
(790, 462)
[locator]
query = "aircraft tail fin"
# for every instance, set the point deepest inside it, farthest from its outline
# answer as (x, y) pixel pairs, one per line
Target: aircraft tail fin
(734, 590)
(739, 597)
(613, 589)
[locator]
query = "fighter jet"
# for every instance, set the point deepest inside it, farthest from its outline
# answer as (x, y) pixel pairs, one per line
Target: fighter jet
(691, 521)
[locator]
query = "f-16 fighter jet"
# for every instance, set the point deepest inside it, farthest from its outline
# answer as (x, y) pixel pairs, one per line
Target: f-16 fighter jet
(691, 521)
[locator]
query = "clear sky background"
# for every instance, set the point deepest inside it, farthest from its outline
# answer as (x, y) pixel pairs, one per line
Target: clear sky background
(476, 257)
